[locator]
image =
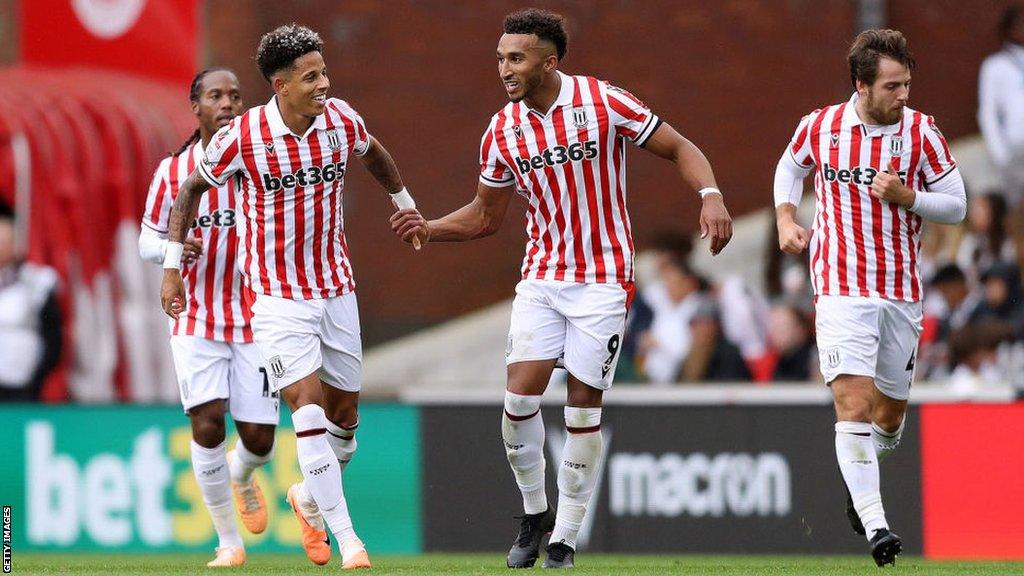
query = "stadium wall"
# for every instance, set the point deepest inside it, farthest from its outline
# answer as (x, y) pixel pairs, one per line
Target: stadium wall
(700, 479)
(735, 77)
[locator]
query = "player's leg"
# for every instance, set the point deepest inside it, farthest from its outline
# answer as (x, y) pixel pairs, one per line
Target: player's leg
(535, 342)
(254, 408)
(203, 371)
(900, 333)
(287, 335)
(596, 319)
(341, 377)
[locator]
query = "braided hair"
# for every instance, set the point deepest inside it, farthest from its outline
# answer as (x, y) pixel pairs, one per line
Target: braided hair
(193, 96)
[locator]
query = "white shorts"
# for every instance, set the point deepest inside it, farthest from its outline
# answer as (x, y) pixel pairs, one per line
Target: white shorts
(302, 337)
(871, 337)
(580, 324)
(211, 370)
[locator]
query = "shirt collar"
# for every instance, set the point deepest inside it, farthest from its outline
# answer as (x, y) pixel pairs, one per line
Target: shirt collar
(565, 94)
(279, 128)
(851, 118)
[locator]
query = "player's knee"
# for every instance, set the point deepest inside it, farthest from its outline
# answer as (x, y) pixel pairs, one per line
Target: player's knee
(257, 438)
(208, 428)
(520, 407)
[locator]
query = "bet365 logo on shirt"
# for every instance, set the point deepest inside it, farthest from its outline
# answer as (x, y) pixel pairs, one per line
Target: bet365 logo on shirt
(558, 155)
(858, 175)
(310, 176)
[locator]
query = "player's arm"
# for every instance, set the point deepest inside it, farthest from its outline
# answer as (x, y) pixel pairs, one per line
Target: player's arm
(183, 212)
(945, 202)
(481, 217)
(382, 167)
(789, 189)
(153, 233)
(696, 171)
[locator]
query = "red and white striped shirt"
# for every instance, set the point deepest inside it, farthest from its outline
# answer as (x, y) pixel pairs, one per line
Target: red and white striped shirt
(217, 303)
(570, 164)
(292, 240)
(863, 246)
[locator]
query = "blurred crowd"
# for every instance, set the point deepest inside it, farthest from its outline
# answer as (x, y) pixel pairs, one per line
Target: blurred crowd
(683, 328)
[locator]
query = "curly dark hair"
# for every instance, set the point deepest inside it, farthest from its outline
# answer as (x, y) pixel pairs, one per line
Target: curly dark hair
(280, 48)
(869, 47)
(542, 23)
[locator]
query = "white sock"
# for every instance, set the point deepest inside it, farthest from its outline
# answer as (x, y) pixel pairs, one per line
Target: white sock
(522, 430)
(886, 442)
(343, 442)
(210, 466)
(855, 451)
(578, 472)
(320, 470)
(245, 462)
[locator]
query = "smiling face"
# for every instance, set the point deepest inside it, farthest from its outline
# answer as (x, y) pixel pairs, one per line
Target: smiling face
(885, 99)
(303, 87)
(219, 100)
(523, 59)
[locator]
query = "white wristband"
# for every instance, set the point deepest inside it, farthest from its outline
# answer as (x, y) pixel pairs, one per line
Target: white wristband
(709, 190)
(403, 199)
(172, 256)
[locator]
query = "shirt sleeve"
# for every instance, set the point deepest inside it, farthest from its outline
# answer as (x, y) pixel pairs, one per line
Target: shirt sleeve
(936, 161)
(945, 201)
(159, 199)
(630, 116)
(800, 146)
(494, 172)
(362, 140)
(789, 181)
(223, 156)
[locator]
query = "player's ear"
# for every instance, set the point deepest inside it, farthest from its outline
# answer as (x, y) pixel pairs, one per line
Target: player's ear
(280, 84)
(195, 108)
(550, 63)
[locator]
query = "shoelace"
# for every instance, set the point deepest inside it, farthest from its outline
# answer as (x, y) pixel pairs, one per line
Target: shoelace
(558, 552)
(249, 498)
(526, 527)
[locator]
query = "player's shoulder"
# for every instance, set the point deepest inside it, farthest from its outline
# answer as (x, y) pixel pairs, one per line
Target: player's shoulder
(342, 107)
(998, 60)
(504, 116)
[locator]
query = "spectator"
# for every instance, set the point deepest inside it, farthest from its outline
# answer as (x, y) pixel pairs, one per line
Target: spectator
(712, 358)
(973, 350)
(1001, 298)
(674, 300)
(987, 240)
(791, 336)
(1001, 103)
(947, 308)
(30, 320)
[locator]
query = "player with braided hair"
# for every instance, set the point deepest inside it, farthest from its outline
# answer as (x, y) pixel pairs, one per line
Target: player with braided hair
(217, 364)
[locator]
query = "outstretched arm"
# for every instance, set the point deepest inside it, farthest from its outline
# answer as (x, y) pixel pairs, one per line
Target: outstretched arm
(695, 170)
(481, 217)
(183, 212)
(382, 166)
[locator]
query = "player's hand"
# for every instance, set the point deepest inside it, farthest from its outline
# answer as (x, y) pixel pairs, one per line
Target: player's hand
(792, 237)
(193, 249)
(172, 293)
(408, 224)
(889, 186)
(715, 222)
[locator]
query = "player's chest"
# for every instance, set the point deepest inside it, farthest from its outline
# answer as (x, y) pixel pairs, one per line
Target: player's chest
(286, 164)
(568, 135)
(856, 157)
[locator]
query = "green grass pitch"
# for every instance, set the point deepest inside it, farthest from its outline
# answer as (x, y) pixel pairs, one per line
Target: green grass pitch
(473, 564)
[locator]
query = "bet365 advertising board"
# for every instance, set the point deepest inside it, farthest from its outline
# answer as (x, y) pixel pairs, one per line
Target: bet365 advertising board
(120, 478)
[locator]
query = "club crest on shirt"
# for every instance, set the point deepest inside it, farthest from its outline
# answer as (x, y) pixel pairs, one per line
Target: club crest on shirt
(518, 131)
(579, 117)
(835, 140)
(333, 141)
(270, 147)
(277, 367)
(896, 145)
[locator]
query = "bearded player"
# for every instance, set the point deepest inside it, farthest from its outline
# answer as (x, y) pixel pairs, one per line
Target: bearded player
(880, 169)
(561, 143)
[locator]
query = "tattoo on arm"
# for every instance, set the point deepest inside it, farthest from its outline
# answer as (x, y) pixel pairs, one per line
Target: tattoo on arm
(382, 166)
(185, 206)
